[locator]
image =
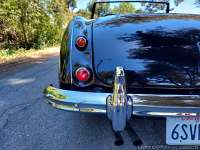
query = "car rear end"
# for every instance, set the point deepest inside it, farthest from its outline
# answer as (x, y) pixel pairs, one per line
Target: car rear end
(124, 65)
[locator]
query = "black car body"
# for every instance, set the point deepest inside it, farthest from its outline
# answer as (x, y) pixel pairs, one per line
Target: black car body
(139, 64)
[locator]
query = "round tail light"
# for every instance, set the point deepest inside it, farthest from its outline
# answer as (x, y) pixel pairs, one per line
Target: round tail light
(81, 42)
(82, 74)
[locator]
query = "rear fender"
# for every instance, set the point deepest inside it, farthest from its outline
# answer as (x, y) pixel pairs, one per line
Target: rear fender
(70, 57)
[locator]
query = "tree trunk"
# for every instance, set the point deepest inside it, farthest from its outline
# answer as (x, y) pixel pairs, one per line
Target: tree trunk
(23, 16)
(24, 34)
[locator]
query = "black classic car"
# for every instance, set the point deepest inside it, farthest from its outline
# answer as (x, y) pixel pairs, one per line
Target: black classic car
(145, 62)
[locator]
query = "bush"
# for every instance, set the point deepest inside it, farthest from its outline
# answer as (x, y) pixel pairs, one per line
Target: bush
(32, 24)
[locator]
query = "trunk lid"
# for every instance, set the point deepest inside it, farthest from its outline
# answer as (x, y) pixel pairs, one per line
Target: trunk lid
(154, 50)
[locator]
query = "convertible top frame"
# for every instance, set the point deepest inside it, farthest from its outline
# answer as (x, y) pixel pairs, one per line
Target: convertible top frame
(133, 1)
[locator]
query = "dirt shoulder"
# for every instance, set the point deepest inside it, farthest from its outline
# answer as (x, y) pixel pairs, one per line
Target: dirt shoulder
(27, 57)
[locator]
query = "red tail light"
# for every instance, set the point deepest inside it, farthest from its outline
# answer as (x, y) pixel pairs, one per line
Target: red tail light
(81, 42)
(82, 74)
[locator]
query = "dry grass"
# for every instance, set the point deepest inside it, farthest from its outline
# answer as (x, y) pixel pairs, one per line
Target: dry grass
(9, 56)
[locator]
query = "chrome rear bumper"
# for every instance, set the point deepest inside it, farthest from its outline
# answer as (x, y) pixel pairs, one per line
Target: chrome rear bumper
(119, 106)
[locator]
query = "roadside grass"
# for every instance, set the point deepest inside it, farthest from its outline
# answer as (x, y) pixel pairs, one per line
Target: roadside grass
(7, 56)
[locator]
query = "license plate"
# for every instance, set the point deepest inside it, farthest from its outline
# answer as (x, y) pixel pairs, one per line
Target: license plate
(183, 130)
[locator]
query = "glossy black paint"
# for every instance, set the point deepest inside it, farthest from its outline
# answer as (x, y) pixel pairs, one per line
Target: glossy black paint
(155, 50)
(158, 52)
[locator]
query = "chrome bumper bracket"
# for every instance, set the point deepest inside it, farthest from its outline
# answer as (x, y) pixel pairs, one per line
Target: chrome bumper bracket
(119, 105)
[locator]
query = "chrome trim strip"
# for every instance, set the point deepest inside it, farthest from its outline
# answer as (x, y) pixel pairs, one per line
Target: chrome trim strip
(71, 48)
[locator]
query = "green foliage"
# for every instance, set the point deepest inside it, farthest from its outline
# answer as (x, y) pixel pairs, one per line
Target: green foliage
(101, 8)
(124, 8)
(32, 23)
(5, 53)
(84, 13)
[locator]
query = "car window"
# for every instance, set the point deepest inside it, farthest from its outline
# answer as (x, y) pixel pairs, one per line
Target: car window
(185, 6)
(119, 7)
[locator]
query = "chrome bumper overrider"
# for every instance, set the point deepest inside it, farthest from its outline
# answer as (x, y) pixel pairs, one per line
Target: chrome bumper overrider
(119, 106)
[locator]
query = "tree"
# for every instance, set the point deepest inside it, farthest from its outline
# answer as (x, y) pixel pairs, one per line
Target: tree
(30, 23)
(83, 12)
(71, 4)
(101, 8)
(124, 8)
(178, 2)
(153, 7)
